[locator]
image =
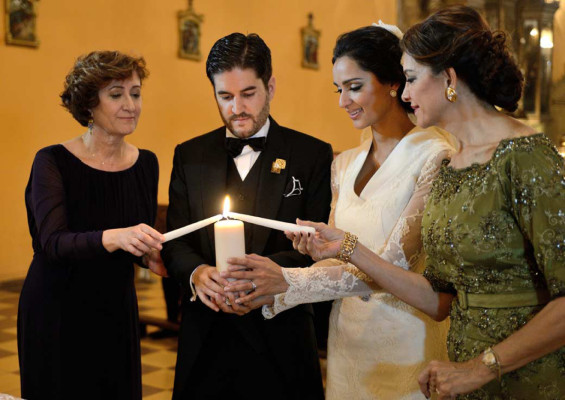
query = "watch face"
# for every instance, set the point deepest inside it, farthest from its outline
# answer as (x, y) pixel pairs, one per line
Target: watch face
(489, 359)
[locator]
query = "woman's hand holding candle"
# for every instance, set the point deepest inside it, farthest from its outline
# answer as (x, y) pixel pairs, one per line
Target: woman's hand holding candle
(324, 244)
(260, 276)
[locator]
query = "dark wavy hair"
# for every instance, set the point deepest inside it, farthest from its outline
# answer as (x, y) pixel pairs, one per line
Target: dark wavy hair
(91, 73)
(375, 50)
(460, 38)
(240, 51)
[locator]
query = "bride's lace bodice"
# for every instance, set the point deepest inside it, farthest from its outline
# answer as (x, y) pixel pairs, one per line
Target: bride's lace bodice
(377, 345)
(386, 217)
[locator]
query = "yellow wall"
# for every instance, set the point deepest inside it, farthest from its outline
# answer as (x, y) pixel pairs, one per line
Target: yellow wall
(178, 101)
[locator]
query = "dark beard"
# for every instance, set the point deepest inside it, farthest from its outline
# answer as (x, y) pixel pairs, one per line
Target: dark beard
(257, 123)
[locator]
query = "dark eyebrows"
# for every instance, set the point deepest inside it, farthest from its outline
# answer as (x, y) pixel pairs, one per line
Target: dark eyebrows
(224, 92)
(351, 80)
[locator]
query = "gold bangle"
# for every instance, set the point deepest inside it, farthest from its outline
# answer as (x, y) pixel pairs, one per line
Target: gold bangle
(347, 247)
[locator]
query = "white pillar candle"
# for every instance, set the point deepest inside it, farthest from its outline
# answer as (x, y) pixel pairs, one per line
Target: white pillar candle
(271, 223)
(229, 239)
(191, 228)
(230, 242)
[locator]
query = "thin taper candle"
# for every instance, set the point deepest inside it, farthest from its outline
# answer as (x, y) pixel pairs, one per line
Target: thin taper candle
(192, 227)
(271, 223)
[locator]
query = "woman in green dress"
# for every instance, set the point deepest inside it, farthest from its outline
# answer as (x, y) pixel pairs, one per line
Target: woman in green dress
(494, 223)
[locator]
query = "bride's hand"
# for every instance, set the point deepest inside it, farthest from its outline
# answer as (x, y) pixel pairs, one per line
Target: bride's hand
(256, 275)
(325, 243)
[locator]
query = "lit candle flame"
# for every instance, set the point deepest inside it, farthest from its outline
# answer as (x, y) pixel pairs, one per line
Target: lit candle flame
(226, 207)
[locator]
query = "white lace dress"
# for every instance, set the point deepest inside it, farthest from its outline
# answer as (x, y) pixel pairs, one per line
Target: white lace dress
(377, 344)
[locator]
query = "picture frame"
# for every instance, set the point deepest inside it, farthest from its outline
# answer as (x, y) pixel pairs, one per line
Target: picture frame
(20, 23)
(310, 44)
(189, 33)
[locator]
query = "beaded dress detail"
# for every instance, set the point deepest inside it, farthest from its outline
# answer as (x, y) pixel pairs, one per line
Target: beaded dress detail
(493, 228)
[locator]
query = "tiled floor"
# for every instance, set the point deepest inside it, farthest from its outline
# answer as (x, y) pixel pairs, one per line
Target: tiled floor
(158, 356)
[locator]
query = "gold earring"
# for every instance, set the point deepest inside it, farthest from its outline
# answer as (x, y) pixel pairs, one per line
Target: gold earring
(451, 94)
(392, 93)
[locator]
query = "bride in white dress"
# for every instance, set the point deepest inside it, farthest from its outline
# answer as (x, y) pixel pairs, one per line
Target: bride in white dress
(377, 344)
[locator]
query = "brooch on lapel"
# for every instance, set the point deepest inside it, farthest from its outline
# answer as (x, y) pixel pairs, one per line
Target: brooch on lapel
(278, 165)
(296, 189)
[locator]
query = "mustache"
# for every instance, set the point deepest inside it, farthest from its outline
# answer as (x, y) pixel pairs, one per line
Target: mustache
(242, 115)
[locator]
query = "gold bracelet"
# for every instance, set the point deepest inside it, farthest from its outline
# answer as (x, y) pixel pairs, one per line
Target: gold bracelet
(347, 247)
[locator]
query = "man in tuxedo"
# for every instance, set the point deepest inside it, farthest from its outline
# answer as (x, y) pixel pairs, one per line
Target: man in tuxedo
(269, 171)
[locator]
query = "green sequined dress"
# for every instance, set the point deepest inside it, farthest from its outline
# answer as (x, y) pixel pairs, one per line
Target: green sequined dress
(494, 228)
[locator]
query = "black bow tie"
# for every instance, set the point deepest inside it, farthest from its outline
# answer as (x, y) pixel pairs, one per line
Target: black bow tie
(234, 146)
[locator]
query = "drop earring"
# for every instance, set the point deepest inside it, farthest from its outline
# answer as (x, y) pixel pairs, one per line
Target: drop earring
(451, 94)
(90, 125)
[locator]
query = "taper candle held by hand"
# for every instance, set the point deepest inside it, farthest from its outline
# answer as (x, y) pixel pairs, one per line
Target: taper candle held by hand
(192, 227)
(271, 223)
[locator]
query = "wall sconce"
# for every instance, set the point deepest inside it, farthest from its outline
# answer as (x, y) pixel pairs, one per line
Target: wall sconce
(546, 41)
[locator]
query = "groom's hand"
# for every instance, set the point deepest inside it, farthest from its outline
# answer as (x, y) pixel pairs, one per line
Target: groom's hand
(209, 286)
(230, 306)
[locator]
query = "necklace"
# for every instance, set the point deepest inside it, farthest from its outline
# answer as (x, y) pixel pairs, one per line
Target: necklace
(93, 155)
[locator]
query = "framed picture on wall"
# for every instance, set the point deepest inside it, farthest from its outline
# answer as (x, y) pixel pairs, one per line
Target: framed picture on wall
(20, 23)
(189, 33)
(310, 44)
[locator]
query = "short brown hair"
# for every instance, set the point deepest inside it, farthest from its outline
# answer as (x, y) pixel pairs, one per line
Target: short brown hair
(91, 73)
(459, 37)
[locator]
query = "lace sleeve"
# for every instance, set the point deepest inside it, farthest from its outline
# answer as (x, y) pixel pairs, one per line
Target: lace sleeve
(325, 280)
(335, 191)
(404, 246)
(331, 279)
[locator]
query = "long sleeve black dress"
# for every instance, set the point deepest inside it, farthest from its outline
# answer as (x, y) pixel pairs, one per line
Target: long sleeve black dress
(78, 334)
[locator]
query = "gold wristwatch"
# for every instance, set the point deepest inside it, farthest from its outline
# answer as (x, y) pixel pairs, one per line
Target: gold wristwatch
(491, 360)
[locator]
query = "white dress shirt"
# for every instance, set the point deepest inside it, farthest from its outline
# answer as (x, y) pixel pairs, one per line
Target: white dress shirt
(244, 162)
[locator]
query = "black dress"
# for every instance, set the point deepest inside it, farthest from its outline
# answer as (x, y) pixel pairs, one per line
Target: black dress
(78, 333)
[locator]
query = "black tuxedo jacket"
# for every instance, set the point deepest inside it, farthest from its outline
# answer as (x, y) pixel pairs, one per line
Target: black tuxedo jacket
(197, 190)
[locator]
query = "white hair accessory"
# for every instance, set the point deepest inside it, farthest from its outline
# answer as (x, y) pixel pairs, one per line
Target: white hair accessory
(391, 28)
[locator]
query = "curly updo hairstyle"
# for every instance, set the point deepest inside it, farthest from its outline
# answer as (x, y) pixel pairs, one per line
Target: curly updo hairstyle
(91, 73)
(460, 38)
(375, 50)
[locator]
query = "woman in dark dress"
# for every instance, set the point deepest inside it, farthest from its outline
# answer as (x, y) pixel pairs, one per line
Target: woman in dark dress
(78, 335)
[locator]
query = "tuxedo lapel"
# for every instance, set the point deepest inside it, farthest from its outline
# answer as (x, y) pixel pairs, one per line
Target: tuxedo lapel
(271, 185)
(213, 174)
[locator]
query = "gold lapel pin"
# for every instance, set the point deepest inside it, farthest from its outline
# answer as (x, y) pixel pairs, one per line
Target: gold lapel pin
(278, 165)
